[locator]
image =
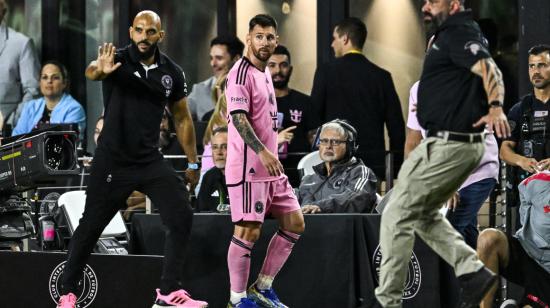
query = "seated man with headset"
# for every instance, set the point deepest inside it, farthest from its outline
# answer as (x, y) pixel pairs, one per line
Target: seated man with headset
(341, 183)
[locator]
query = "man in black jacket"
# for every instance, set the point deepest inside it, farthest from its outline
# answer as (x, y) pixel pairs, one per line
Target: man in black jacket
(353, 88)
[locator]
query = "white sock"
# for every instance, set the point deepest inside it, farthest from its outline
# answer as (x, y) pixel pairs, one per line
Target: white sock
(264, 282)
(235, 297)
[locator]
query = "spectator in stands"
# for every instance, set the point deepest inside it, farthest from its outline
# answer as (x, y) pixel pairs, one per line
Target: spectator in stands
(523, 258)
(213, 190)
(341, 183)
(294, 114)
(351, 87)
(19, 69)
(224, 51)
(55, 106)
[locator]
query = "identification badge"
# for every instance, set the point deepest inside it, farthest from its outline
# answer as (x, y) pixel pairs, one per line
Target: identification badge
(541, 113)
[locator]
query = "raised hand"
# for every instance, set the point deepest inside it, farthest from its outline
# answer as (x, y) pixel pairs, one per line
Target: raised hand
(105, 62)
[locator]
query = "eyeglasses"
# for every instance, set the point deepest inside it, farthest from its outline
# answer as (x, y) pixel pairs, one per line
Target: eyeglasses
(331, 142)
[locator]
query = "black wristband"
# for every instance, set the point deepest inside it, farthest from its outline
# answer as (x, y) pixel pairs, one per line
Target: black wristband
(495, 104)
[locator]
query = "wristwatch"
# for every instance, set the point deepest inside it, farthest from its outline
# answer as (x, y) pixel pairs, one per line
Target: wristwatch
(495, 104)
(193, 166)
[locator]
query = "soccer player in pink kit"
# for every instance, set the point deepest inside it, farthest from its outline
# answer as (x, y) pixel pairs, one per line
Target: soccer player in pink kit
(255, 178)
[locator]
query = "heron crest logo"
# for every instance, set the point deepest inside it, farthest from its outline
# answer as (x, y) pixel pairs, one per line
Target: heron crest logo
(414, 274)
(87, 286)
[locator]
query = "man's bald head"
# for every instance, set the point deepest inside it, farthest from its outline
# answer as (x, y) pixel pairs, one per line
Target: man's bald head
(149, 16)
(145, 33)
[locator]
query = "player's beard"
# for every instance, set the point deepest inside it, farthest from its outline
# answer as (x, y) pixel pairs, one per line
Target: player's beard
(259, 56)
(147, 54)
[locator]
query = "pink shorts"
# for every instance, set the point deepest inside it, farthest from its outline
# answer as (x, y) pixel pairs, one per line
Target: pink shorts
(250, 201)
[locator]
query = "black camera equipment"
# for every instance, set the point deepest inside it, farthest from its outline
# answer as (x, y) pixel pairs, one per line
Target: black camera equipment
(27, 161)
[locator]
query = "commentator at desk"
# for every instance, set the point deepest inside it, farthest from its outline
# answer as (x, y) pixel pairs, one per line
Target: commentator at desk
(341, 183)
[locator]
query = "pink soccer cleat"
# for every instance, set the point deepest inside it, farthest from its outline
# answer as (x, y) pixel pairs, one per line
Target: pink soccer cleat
(177, 299)
(67, 301)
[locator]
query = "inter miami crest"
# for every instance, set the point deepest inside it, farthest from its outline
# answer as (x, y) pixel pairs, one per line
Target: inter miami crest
(259, 207)
(167, 83)
(414, 275)
(87, 286)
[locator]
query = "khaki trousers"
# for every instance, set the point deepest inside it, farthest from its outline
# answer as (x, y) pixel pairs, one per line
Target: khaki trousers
(427, 179)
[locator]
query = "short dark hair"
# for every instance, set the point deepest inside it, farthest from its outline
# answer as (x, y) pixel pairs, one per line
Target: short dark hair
(219, 129)
(538, 49)
(263, 20)
(62, 69)
(282, 50)
(234, 46)
(355, 29)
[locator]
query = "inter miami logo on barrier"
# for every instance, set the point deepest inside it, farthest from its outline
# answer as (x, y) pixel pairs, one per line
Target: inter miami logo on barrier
(414, 275)
(87, 288)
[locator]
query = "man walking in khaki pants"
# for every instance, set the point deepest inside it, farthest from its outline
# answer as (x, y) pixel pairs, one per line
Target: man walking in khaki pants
(460, 90)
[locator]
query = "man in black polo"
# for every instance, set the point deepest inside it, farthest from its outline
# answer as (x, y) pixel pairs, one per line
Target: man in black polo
(294, 108)
(138, 81)
(461, 90)
(353, 88)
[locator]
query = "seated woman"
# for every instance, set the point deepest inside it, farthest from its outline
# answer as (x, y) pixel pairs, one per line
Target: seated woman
(56, 105)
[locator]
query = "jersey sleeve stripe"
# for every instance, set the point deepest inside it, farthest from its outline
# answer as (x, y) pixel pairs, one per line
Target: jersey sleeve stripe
(241, 73)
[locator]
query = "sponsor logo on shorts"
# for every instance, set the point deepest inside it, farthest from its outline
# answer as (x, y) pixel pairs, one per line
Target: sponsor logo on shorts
(414, 274)
(87, 287)
(259, 207)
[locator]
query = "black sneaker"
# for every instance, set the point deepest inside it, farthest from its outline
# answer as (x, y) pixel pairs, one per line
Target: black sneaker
(376, 304)
(474, 286)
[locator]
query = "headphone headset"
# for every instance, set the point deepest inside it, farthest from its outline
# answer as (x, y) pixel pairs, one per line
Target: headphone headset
(351, 132)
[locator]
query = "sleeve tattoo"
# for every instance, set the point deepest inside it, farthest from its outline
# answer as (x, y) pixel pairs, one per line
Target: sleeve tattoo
(492, 79)
(246, 132)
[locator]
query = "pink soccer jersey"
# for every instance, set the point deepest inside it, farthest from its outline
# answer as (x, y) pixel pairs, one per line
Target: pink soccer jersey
(250, 91)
